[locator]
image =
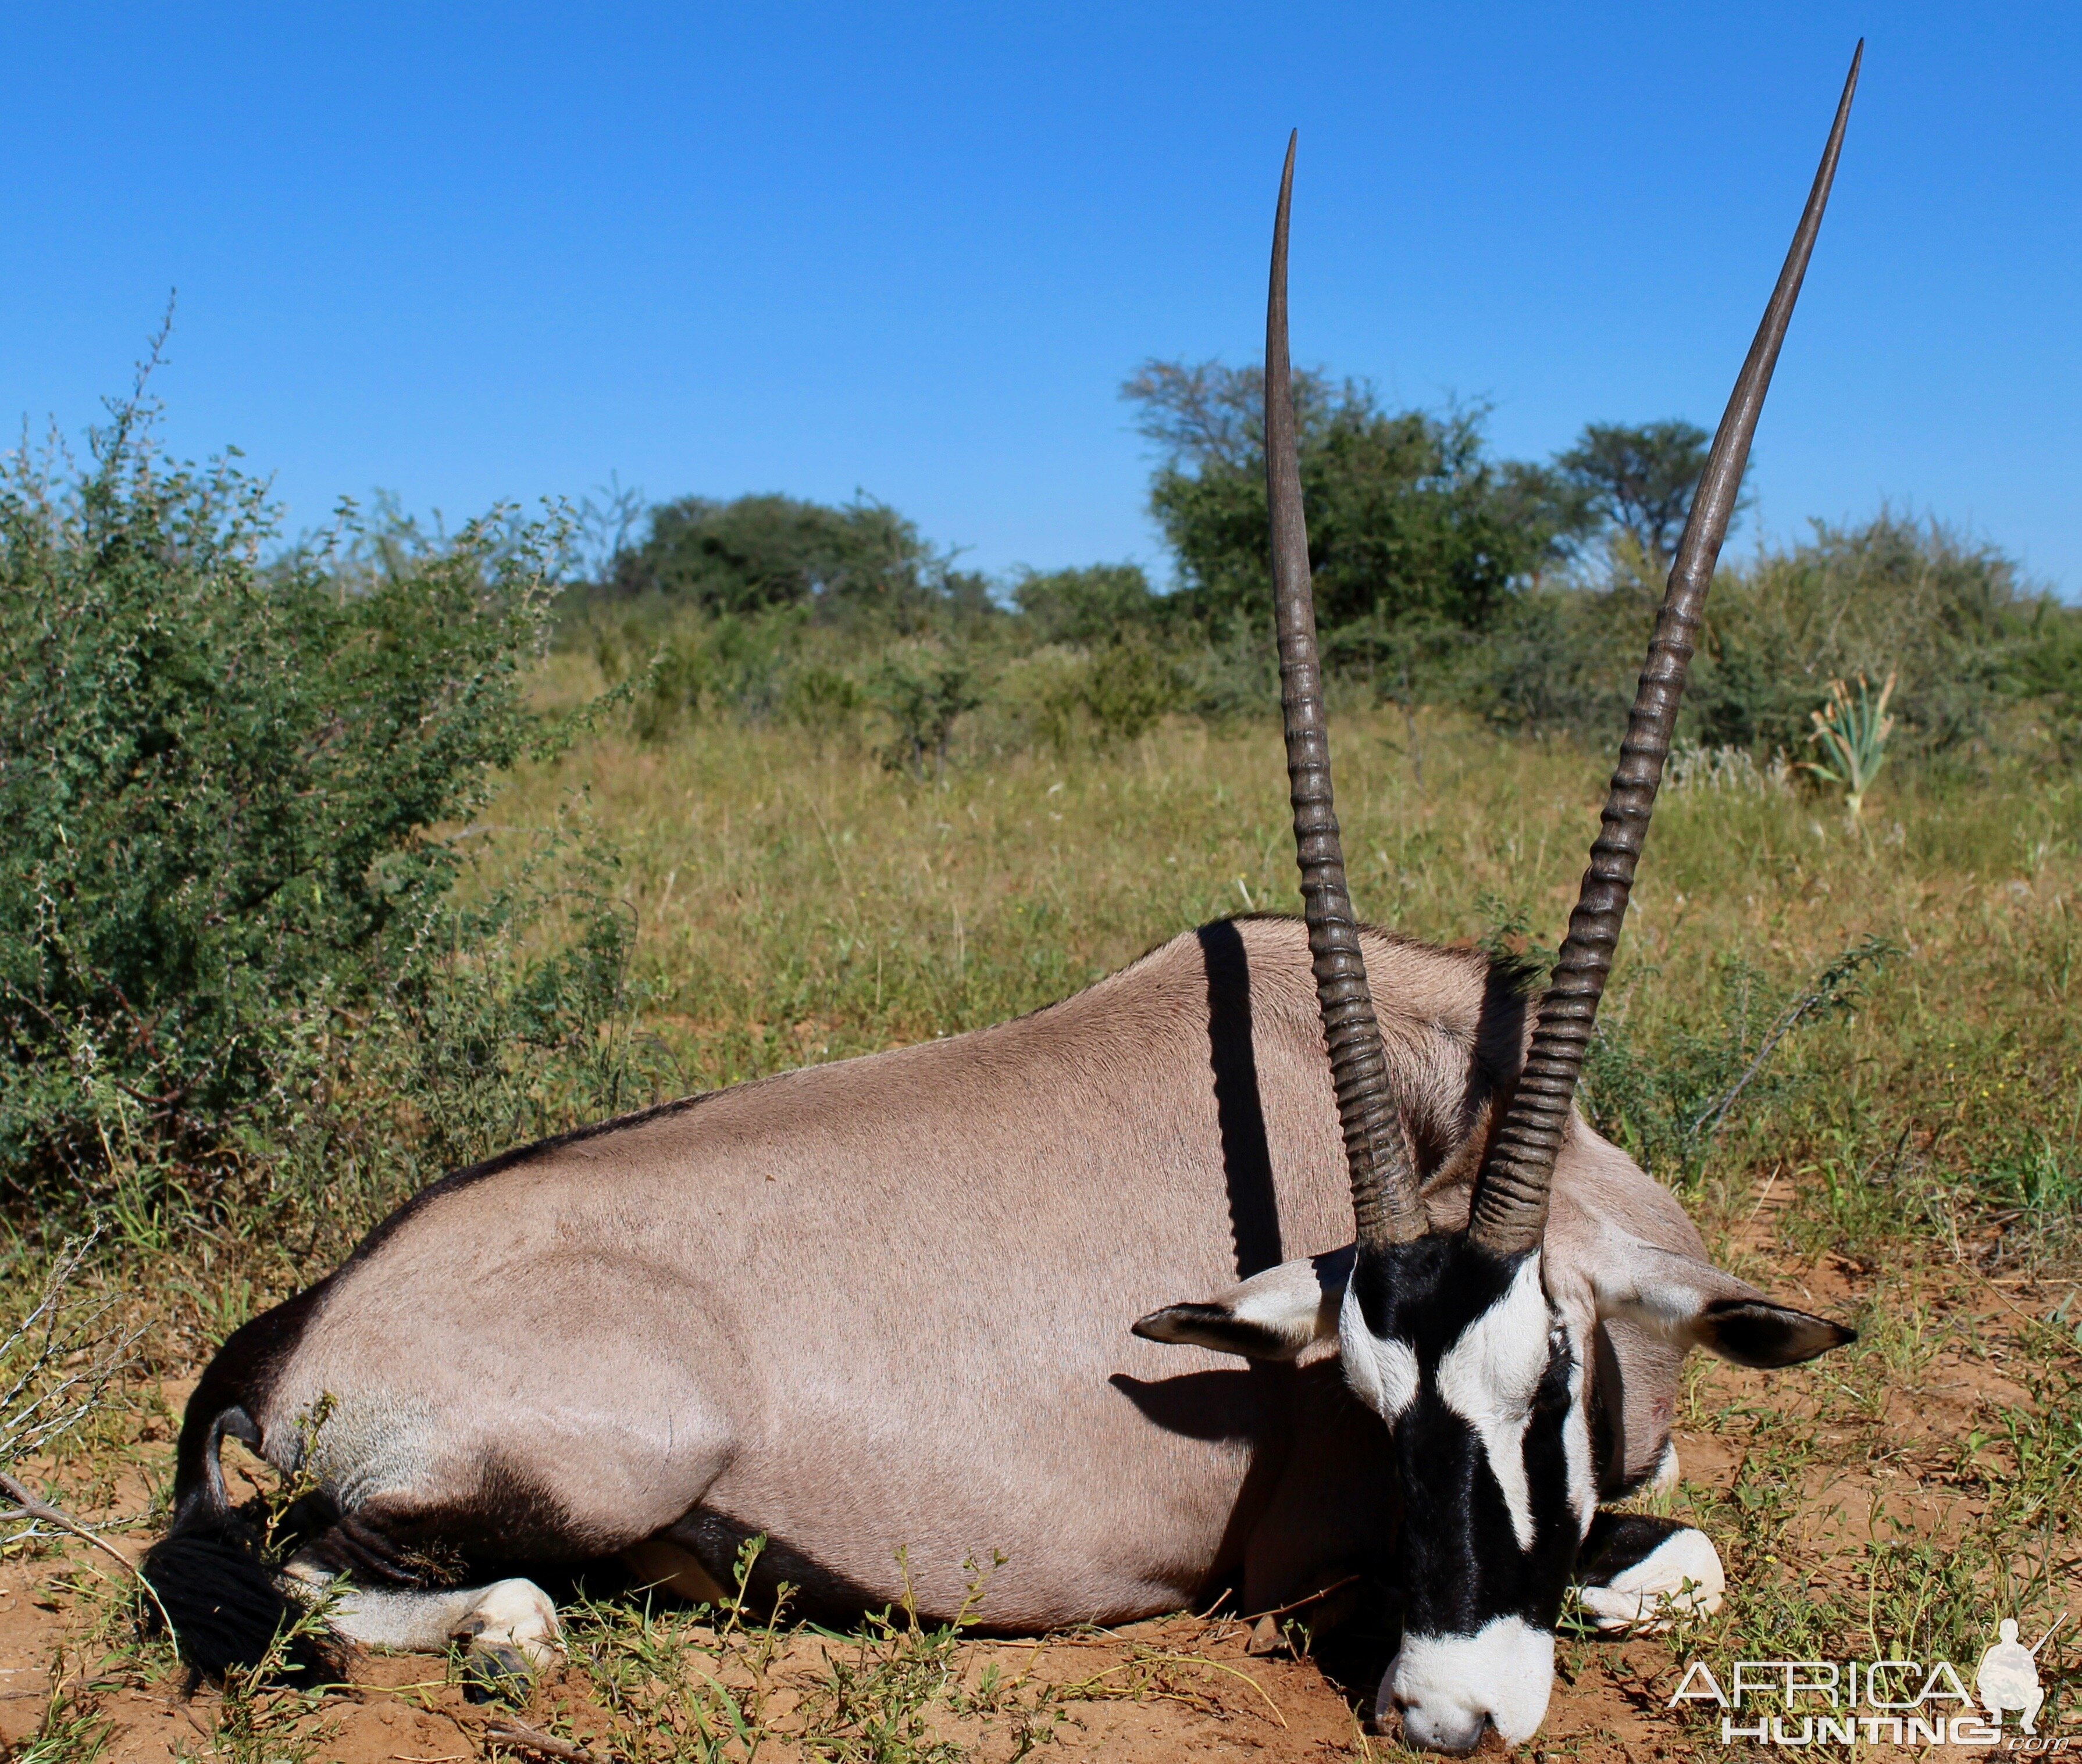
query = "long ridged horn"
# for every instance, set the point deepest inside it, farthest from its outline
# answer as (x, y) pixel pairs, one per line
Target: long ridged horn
(1510, 1209)
(1385, 1207)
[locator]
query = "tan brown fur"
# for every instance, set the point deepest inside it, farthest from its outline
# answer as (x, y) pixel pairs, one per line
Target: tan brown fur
(884, 1304)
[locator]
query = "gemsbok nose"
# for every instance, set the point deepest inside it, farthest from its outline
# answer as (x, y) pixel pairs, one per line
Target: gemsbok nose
(1451, 1689)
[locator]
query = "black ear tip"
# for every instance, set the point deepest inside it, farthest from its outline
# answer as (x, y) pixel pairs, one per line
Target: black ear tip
(1171, 1323)
(1820, 1335)
(1757, 1332)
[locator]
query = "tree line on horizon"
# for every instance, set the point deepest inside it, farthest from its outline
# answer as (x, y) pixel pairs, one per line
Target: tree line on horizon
(1521, 592)
(1418, 522)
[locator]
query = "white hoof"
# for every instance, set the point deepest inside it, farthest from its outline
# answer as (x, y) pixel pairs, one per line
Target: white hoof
(1680, 1578)
(517, 1614)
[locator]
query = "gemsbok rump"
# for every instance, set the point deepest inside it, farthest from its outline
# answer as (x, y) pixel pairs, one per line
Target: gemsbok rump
(891, 1304)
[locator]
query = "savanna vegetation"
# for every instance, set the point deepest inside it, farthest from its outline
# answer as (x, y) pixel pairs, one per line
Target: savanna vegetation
(332, 865)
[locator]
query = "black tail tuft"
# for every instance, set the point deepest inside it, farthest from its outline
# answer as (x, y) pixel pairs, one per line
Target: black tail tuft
(227, 1608)
(209, 1576)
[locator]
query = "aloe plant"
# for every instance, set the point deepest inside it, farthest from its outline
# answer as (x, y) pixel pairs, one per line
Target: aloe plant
(1852, 731)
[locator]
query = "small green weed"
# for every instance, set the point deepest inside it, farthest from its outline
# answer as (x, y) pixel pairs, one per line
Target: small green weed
(71, 1731)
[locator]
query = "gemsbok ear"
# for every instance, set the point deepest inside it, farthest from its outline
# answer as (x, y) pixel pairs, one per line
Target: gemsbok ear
(1273, 1315)
(1755, 1332)
(1696, 1303)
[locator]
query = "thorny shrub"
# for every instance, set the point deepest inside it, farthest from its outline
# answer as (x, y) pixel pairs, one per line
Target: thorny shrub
(226, 888)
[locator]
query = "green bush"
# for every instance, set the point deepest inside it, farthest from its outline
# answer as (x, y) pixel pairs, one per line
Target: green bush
(1559, 661)
(1097, 605)
(1892, 596)
(923, 692)
(220, 779)
(767, 551)
(1129, 687)
(731, 665)
(1665, 1103)
(2049, 669)
(509, 1019)
(823, 701)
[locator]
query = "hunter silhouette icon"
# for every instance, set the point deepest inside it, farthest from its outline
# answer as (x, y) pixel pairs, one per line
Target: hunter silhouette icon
(2008, 1676)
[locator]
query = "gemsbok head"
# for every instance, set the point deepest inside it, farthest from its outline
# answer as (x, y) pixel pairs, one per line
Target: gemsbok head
(1459, 1333)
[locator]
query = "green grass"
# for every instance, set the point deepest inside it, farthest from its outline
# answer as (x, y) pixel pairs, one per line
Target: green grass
(797, 903)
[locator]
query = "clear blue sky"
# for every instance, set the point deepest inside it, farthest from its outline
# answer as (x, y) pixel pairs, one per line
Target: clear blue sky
(470, 253)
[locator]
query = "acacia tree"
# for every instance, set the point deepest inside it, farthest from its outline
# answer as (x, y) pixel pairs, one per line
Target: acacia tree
(1416, 535)
(1638, 477)
(758, 552)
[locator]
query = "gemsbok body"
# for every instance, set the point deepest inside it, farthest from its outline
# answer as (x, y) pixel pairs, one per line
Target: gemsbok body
(926, 1301)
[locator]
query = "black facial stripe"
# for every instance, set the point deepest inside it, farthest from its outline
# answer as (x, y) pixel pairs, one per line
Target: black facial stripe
(1454, 1523)
(1557, 1530)
(1462, 1563)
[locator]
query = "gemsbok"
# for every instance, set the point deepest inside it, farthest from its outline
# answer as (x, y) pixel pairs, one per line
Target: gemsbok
(891, 1303)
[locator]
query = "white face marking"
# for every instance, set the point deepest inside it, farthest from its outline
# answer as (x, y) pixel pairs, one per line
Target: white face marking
(1489, 1376)
(1680, 1576)
(1382, 1372)
(1446, 1685)
(1576, 1449)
